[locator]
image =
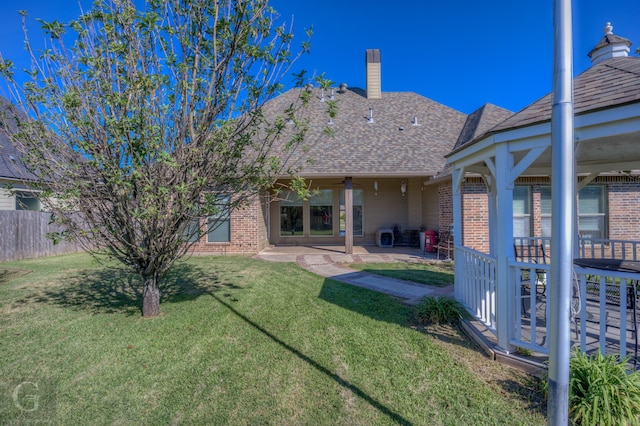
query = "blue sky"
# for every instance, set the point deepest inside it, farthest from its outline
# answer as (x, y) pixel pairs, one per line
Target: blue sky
(459, 53)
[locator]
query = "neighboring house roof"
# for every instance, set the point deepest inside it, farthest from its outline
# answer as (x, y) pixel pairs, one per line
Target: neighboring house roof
(391, 145)
(10, 165)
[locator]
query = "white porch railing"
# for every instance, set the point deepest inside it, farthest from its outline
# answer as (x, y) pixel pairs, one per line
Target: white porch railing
(604, 303)
(478, 285)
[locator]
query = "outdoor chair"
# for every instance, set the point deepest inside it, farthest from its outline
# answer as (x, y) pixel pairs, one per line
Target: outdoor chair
(445, 245)
(535, 254)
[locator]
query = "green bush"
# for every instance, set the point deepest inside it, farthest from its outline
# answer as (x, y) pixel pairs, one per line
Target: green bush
(602, 390)
(439, 310)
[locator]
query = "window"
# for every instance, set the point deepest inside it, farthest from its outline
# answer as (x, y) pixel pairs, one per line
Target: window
(545, 210)
(26, 200)
(291, 223)
(321, 213)
(357, 212)
(592, 212)
(219, 224)
(521, 211)
(192, 231)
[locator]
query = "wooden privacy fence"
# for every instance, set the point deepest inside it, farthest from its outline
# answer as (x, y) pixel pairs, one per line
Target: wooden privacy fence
(23, 235)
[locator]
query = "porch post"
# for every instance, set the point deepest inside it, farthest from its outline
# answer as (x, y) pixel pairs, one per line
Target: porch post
(504, 244)
(493, 223)
(458, 265)
(348, 215)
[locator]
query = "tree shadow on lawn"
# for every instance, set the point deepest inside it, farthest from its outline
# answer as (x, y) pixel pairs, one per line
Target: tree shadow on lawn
(106, 290)
(367, 302)
(386, 308)
(395, 417)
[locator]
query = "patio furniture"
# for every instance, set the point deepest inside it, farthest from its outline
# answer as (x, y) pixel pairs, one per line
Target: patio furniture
(532, 253)
(445, 245)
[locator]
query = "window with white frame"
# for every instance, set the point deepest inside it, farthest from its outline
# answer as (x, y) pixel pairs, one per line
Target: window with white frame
(521, 211)
(545, 210)
(592, 212)
(219, 223)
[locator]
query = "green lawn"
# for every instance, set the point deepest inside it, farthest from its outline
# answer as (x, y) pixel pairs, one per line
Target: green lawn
(239, 341)
(437, 274)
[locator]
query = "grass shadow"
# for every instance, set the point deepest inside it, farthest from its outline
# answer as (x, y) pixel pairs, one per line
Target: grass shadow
(530, 396)
(395, 417)
(437, 276)
(7, 274)
(367, 302)
(106, 290)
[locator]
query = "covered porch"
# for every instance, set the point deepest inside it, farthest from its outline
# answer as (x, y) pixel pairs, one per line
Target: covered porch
(508, 294)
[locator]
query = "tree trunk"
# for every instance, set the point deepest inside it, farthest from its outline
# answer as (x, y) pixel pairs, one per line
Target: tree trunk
(150, 297)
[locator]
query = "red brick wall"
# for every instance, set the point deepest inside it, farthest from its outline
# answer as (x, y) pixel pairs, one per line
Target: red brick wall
(244, 232)
(624, 210)
(475, 215)
(623, 207)
(445, 201)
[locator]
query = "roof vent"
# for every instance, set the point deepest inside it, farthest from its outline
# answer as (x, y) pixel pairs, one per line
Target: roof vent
(415, 121)
(331, 97)
(343, 88)
(12, 158)
(309, 87)
(611, 46)
(370, 115)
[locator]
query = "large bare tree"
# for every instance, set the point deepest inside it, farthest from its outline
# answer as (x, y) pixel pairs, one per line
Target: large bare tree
(142, 120)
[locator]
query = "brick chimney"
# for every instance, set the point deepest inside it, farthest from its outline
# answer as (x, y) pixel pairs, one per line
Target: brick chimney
(374, 86)
(611, 46)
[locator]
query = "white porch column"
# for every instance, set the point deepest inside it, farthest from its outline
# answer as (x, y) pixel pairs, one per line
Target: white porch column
(504, 243)
(458, 265)
(493, 216)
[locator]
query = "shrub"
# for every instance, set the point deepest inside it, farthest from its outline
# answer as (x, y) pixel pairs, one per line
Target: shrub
(602, 390)
(439, 310)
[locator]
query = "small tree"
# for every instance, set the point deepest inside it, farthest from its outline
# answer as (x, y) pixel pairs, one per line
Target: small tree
(151, 119)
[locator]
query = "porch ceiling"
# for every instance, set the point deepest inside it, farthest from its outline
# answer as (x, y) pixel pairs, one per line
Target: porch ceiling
(601, 155)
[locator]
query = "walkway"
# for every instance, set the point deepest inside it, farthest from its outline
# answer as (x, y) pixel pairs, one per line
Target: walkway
(330, 262)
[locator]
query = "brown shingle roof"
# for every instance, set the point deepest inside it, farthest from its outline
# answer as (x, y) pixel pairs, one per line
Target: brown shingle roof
(612, 82)
(481, 121)
(391, 145)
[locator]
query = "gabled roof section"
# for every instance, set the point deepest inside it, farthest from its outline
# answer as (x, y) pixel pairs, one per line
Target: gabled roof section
(11, 166)
(610, 83)
(481, 121)
(404, 134)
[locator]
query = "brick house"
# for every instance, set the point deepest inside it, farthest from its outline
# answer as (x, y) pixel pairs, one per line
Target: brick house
(389, 150)
(375, 172)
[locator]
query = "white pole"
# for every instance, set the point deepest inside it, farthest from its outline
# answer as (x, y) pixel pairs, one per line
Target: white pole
(562, 214)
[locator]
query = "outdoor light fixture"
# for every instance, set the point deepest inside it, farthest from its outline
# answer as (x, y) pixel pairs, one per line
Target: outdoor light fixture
(403, 187)
(375, 186)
